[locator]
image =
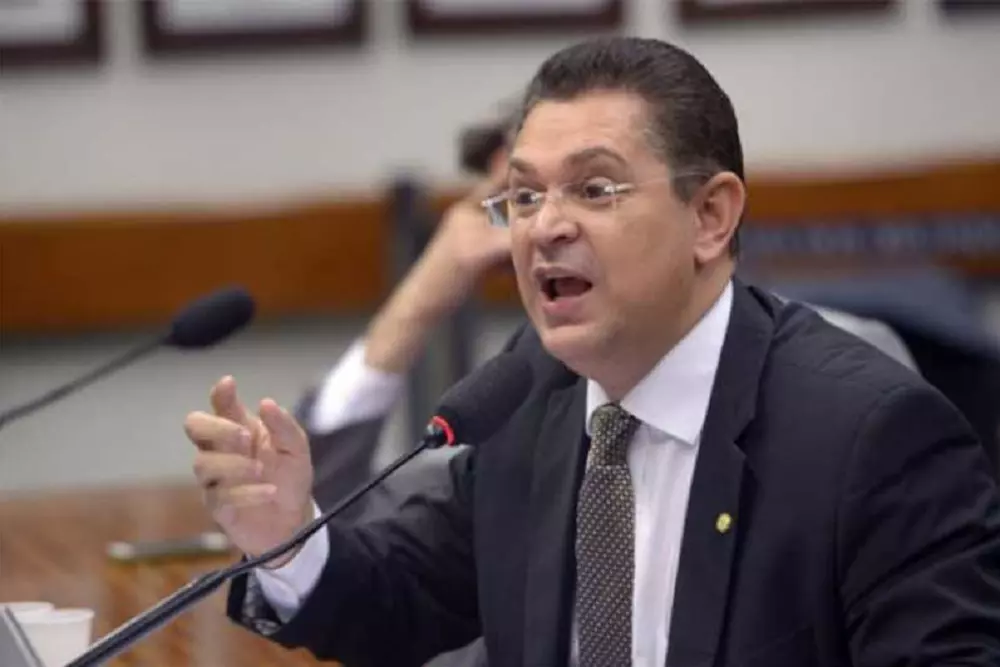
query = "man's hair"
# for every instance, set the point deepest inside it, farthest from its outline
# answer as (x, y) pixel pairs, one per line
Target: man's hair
(692, 122)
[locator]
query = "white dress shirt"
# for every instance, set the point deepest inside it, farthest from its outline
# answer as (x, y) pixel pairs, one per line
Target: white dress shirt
(354, 392)
(671, 403)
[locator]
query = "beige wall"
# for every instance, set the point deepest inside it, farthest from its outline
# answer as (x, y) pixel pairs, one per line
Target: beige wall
(828, 92)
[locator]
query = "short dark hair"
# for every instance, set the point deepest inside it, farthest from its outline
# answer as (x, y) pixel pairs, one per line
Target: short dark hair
(477, 144)
(692, 121)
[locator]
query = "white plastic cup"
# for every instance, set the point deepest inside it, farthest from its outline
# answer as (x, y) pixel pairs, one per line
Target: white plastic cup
(58, 635)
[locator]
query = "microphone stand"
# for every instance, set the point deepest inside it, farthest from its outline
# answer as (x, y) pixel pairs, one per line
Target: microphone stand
(155, 617)
(125, 359)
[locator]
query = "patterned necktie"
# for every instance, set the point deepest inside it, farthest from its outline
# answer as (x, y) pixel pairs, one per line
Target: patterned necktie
(605, 530)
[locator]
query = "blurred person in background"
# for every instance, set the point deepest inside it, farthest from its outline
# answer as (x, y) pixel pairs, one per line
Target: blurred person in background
(345, 414)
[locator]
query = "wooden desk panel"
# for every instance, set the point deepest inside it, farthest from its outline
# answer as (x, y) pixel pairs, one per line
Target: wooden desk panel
(52, 547)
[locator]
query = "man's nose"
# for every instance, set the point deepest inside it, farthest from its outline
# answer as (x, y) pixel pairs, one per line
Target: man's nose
(552, 224)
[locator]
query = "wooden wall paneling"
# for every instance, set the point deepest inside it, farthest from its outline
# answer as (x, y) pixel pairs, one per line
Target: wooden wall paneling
(126, 270)
(93, 271)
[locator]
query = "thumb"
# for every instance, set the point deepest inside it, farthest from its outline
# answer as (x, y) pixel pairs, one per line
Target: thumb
(287, 436)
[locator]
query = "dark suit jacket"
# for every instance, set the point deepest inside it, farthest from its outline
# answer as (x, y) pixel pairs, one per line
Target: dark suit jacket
(866, 524)
(343, 461)
(937, 316)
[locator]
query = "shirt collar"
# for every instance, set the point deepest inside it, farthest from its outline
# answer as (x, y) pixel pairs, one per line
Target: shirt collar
(673, 397)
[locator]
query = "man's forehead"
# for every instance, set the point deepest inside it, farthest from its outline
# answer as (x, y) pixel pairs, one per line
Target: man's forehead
(605, 125)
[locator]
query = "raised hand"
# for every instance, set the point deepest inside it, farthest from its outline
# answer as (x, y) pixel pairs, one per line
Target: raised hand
(254, 469)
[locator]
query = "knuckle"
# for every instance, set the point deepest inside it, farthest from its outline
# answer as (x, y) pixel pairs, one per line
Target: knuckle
(201, 468)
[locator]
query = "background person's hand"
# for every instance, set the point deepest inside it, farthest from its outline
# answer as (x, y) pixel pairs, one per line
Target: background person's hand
(255, 470)
(464, 247)
(465, 244)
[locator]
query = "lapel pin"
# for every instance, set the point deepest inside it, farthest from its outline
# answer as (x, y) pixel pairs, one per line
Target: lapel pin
(724, 523)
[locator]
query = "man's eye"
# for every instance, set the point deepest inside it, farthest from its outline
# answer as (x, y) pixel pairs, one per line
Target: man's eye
(524, 197)
(595, 190)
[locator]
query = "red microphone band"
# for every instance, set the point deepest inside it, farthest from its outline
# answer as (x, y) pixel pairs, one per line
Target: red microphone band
(446, 427)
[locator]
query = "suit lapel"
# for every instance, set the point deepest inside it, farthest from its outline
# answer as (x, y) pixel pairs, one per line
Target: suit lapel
(714, 512)
(557, 468)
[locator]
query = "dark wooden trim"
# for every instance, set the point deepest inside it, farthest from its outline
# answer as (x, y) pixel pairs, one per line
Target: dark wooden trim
(87, 48)
(953, 188)
(91, 271)
(696, 11)
(95, 271)
(159, 41)
(425, 23)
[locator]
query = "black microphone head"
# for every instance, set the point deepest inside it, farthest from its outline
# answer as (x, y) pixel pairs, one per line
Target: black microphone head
(211, 318)
(479, 404)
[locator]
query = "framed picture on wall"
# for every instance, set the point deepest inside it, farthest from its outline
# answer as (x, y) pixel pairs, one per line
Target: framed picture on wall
(970, 6)
(710, 10)
(173, 27)
(45, 33)
(485, 17)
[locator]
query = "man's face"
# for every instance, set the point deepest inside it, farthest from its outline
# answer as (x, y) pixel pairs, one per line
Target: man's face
(598, 274)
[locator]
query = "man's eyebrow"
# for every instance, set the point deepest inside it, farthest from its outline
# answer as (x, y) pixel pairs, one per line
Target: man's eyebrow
(572, 160)
(517, 164)
(588, 154)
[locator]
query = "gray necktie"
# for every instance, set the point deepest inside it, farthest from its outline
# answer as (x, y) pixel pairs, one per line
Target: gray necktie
(605, 530)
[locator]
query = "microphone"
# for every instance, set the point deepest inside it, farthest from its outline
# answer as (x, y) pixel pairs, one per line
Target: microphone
(202, 323)
(469, 413)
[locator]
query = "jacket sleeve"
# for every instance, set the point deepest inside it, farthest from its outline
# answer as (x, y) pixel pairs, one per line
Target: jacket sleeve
(918, 553)
(399, 586)
(394, 591)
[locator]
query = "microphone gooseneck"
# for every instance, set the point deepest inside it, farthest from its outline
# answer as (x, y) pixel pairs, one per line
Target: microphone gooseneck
(469, 413)
(129, 357)
(202, 323)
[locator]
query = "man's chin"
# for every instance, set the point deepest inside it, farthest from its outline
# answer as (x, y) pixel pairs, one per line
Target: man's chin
(572, 344)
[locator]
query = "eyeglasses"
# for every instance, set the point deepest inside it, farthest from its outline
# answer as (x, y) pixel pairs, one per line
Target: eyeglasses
(590, 196)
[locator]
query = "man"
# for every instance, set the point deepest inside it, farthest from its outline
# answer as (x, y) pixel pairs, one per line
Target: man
(700, 474)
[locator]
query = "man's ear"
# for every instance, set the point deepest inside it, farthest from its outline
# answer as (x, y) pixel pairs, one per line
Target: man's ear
(718, 208)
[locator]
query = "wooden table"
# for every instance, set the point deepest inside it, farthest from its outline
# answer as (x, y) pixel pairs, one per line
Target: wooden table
(52, 547)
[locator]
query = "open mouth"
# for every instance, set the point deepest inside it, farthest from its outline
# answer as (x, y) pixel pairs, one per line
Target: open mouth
(564, 287)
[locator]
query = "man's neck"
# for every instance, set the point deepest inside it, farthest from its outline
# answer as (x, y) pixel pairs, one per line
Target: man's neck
(630, 363)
